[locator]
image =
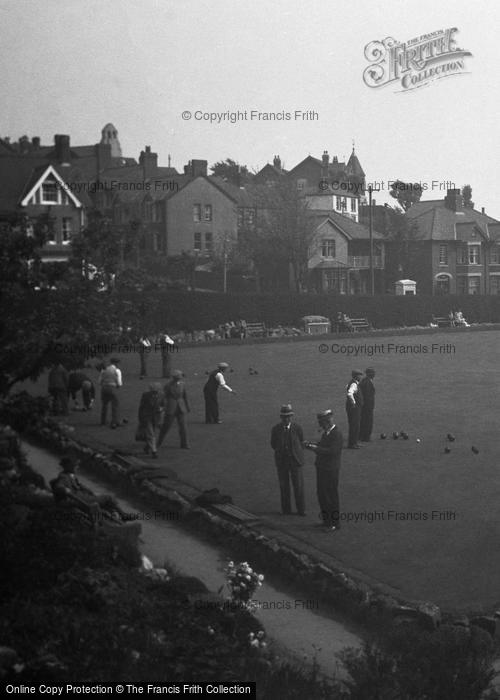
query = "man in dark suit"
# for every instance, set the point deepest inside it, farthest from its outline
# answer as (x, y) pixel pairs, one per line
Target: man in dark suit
(368, 390)
(353, 406)
(176, 406)
(328, 456)
(286, 441)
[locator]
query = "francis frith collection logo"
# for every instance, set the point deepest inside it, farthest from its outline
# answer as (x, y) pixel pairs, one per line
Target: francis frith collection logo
(414, 63)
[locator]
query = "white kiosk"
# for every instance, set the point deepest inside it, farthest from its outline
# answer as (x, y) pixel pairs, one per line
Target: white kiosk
(406, 287)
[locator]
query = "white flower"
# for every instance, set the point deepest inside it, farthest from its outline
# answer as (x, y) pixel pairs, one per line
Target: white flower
(251, 635)
(260, 634)
(254, 643)
(211, 630)
(230, 565)
(248, 578)
(260, 577)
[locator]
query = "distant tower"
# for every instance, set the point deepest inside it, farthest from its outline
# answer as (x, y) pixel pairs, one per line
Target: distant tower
(109, 135)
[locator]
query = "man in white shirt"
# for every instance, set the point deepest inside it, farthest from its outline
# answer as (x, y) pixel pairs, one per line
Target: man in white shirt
(215, 380)
(110, 380)
(353, 406)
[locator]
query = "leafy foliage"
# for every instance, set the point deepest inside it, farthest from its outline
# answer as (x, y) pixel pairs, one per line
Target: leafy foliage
(232, 171)
(406, 193)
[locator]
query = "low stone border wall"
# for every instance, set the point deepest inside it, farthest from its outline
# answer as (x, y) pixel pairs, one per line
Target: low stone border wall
(362, 602)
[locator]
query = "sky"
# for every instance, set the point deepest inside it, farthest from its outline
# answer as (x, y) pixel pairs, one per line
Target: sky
(71, 67)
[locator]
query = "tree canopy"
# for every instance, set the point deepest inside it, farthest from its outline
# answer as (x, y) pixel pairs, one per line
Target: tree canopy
(406, 193)
(232, 171)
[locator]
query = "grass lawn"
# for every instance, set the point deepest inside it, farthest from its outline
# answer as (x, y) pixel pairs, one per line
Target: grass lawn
(435, 517)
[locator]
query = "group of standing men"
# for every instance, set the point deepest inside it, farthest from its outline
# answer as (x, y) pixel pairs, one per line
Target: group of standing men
(287, 441)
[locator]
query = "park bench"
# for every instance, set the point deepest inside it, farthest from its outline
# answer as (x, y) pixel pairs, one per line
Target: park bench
(257, 330)
(360, 324)
(442, 321)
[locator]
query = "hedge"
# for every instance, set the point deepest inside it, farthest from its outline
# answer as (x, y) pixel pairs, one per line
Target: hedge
(178, 310)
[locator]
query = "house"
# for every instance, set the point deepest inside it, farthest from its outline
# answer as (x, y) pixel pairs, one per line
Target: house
(34, 191)
(457, 250)
(339, 258)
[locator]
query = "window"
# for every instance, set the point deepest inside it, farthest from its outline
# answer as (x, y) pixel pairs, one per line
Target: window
(462, 255)
(49, 191)
(208, 242)
(353, 204)
(240, 217)
(197, 213)
(197, 241)
(208, 212)
(495, 285)
(474, 257)
(301, 184)
(494, 254)
(443, 255)
(462, 285)
(338, 203)
(66, 229)
(328, 248)
(474, 283)
(249, 217)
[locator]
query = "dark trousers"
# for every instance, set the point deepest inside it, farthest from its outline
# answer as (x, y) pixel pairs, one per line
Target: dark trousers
(366, 423)
(88, 393)
(59, 401)
(289, 469)
(327, 482)
(353, 417)
(142, 356)
(109, 395)
(167, 424)
(165, 364)
(211, 406)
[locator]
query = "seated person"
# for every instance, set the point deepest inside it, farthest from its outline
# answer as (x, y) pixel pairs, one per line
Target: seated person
(460, 320)
(347, 323)
(67, 487)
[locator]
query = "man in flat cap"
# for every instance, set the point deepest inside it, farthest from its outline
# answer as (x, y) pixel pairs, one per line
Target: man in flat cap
(286, 441)
(176, 406)
(353, 406)
(368, 390)
(328, 456)
(214, 381)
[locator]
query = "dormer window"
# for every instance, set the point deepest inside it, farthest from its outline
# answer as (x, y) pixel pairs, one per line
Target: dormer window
(49, 192)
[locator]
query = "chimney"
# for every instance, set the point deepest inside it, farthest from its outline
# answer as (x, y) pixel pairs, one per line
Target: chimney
(482, 210)
(149, 162)
(35, 143)
(62, 149)
(196, 167)
(454, 200)
(325, 159)
(24, 144)
(277, 162)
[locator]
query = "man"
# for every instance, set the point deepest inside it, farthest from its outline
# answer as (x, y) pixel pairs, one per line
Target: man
(328, 456)
(79, 381)
(149, 417)
(286, 441)
(144, 349)
(215, 380)
(353, 406)
(58, 389)
(166, 347)
(367, 388)
(176, 406)
(67, 487)
(110, 380)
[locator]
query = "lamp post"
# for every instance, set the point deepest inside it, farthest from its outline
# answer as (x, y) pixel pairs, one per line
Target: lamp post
(370, 223)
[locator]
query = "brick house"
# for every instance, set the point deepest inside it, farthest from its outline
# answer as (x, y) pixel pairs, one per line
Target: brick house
(458, 248)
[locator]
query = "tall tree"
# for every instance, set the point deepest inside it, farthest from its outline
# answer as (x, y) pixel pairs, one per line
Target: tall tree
(59, 321)
(406, 193)
(232, 171)
(279, 239)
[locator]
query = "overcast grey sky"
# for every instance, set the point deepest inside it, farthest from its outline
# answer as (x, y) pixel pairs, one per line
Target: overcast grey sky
(70, 67)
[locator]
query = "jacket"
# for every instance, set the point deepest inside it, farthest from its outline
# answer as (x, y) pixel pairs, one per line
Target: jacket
(329, 450)
(278, 437)
(175, 399)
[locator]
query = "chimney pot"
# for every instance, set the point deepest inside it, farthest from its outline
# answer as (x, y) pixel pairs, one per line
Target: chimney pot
(482, 210)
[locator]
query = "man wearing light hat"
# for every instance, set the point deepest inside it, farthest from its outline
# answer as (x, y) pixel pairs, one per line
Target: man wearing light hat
(286, 441)
(353, 406)
(328, 456)
(176, 406)
(215, 380)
